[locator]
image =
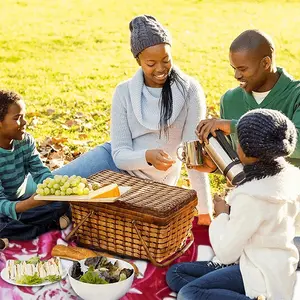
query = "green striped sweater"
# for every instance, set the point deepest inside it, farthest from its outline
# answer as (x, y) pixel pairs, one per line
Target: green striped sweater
(15, 165)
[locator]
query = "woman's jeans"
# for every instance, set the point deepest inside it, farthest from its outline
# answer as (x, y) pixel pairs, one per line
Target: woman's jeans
(207, 281)
(91, 162)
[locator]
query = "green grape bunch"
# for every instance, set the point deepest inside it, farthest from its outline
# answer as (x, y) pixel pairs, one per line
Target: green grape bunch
(63, 186)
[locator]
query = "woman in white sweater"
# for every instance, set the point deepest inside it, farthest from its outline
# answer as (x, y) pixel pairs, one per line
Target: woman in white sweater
(152, 114)
(255, 240)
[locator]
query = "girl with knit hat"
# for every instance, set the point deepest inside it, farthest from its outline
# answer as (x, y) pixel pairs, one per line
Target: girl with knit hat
(152, 114)
(255, 254)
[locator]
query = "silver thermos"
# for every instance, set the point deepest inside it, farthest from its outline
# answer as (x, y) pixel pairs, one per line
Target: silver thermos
(226, 159)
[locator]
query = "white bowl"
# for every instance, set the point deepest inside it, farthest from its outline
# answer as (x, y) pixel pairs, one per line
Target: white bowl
(110, 291)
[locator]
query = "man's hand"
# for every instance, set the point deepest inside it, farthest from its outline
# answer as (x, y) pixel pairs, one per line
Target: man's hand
(205, 127)
(220, 206)
(207, 166)
(29, 203)
(159, 159)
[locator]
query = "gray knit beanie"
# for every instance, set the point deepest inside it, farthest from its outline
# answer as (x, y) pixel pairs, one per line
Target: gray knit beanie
(146, 31)
(266, 134)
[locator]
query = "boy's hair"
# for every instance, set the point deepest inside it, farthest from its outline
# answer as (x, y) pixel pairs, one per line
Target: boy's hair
(266, 134)
(7, 98)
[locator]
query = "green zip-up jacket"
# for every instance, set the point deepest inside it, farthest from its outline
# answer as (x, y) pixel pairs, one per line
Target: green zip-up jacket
(284, 96)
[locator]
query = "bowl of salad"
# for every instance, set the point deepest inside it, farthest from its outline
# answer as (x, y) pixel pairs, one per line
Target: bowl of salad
(91, 277)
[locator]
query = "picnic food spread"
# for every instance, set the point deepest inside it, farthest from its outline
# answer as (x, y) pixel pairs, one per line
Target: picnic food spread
(100, 271)
(34, 271)
(72, 253)
(76, 185)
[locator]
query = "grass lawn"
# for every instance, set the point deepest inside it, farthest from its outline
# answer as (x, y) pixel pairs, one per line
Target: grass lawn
(66, 56)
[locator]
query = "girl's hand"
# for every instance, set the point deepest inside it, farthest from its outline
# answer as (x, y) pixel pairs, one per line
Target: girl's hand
(220, 206)
(159, 159)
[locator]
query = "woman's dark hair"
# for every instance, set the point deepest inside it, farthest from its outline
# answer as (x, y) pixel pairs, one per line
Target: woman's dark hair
(166, 100)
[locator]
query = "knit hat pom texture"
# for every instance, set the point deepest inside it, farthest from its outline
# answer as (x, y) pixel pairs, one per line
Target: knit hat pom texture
(266, 134)
(146, 31)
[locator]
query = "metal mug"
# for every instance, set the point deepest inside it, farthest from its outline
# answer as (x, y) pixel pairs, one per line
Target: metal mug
(193, 153)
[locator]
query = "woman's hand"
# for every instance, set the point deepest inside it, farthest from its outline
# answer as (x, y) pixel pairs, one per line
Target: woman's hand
(220, 206)
(159, 159)
(29, 203)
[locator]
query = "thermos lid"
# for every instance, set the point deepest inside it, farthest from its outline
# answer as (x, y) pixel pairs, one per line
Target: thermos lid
(238, 179)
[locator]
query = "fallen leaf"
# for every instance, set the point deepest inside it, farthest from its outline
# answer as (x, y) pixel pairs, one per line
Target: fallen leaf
(79, 143)
(83, 136)
(46, 142)
(60, 140)
(56, 163)
(56, 155)
(50, 111)
(32, 114)
(79, 114)
(70, 123)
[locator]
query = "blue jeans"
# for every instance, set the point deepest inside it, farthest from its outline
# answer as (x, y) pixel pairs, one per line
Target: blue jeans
(33, 222)
(207, 281)
(91, 162)
(94, 161)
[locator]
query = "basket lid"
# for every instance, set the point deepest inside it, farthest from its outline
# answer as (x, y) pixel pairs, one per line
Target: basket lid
(146, 196)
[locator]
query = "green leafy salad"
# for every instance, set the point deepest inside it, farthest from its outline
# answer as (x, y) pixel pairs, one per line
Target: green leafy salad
(100, 271)
(34, 271)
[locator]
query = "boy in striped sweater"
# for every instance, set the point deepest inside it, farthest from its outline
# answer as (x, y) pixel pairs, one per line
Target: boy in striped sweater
(22, 217)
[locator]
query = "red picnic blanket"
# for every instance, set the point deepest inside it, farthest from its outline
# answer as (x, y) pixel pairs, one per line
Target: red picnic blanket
(150, 285)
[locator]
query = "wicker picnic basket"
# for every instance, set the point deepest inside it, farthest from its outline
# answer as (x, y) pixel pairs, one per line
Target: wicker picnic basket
(151, 221)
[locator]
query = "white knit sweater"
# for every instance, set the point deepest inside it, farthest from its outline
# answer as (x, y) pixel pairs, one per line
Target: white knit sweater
(135, 129)
(259, 233)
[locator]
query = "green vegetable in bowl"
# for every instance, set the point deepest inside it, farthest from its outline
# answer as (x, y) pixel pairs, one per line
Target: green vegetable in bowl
(122, 277)
(100, 271)
(91, 276)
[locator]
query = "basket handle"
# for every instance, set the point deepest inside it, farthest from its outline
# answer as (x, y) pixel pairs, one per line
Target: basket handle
(174, 256)
(73, 231)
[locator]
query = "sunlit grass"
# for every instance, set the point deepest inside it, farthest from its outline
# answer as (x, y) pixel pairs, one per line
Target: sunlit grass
(68, 55)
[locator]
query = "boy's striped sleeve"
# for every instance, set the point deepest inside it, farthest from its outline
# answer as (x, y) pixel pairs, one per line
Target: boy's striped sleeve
(37, 169)
(7, 207)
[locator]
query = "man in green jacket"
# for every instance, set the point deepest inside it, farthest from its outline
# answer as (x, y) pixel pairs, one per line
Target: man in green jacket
(262, 85)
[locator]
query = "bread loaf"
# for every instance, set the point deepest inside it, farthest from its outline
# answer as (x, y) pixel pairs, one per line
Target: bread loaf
(77, 253)
(73, 253)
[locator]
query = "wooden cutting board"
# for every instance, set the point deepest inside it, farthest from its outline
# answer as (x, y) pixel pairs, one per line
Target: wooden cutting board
(83, 198)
